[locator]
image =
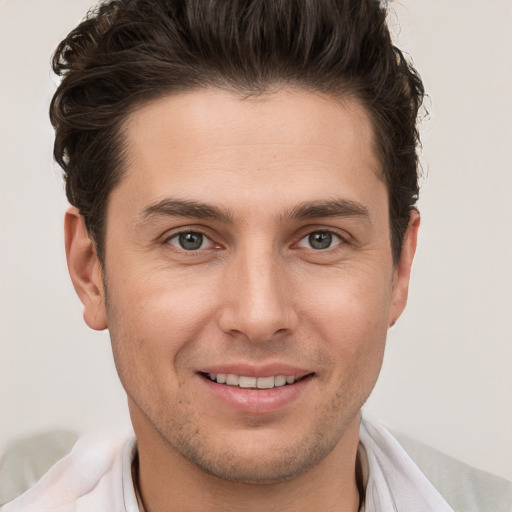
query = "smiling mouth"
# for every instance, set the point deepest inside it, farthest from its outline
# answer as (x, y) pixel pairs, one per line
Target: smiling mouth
(242, 381)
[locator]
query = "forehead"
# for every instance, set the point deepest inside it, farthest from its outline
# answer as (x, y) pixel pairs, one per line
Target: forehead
(285, 147)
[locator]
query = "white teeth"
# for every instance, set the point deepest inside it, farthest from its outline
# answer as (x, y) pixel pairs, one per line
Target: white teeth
(232, 380)
(280, 380)
(247, 382)
(265, 383)
(252, 382)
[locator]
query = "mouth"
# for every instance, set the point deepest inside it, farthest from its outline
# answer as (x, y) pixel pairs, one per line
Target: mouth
(251, 390)
(246, 382)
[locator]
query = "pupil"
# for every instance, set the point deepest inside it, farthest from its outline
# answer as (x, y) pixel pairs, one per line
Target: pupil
(191, 241)
(320, 240)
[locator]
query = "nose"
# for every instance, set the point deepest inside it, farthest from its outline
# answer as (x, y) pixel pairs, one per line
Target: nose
(258, 302)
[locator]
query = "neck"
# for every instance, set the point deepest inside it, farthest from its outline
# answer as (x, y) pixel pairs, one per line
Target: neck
(168, 482)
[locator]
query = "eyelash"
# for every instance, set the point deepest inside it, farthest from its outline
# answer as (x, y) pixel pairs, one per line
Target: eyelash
(178, 235)
(331, 234)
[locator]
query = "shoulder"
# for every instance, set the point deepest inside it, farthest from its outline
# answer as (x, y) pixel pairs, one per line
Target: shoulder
(25, 460)
(91, 474)
(465, 488)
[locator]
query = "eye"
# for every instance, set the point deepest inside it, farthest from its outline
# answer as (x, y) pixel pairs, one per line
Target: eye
(190, 241)
(320, 240)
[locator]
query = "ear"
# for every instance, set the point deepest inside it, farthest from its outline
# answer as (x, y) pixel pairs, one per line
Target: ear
(85, 269)
(402, 272)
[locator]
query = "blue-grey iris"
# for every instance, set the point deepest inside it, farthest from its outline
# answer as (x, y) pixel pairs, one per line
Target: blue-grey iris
(191, 241)
(320, 240)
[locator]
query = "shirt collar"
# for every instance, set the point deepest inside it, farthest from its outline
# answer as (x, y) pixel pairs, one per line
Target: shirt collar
(395, 483)
(391, 479)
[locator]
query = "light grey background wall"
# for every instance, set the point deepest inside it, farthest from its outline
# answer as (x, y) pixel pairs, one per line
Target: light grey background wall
(447, 376)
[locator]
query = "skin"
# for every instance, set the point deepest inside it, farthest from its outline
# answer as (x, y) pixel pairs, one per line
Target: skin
(256, 292)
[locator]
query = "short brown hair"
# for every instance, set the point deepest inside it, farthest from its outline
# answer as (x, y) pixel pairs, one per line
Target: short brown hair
(127, 52)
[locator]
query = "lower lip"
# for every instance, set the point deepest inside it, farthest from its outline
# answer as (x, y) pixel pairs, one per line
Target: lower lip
(258, 400)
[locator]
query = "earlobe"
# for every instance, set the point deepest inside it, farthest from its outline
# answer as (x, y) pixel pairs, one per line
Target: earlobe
(85, 269)
(402, 273)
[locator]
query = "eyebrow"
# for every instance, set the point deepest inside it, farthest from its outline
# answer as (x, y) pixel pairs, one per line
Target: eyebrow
(185, 208)
(331, 208)
(303, 211)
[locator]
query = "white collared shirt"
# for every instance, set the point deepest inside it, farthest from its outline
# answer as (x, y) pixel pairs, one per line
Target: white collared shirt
(97, 476)
(395, 483)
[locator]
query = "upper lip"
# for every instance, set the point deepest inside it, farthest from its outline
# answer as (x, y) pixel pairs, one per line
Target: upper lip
(248, 370)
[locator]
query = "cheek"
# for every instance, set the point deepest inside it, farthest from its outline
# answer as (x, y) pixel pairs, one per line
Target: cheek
(350, 303)
(154, 318)
(351, 317)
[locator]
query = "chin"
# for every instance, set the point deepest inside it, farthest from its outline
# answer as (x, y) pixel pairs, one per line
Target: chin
(260, 460)
(274, 470)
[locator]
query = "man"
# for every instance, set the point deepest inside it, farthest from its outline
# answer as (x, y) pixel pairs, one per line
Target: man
(243, 181)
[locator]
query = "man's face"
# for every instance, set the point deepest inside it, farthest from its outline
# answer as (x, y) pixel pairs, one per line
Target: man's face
(249, 238)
